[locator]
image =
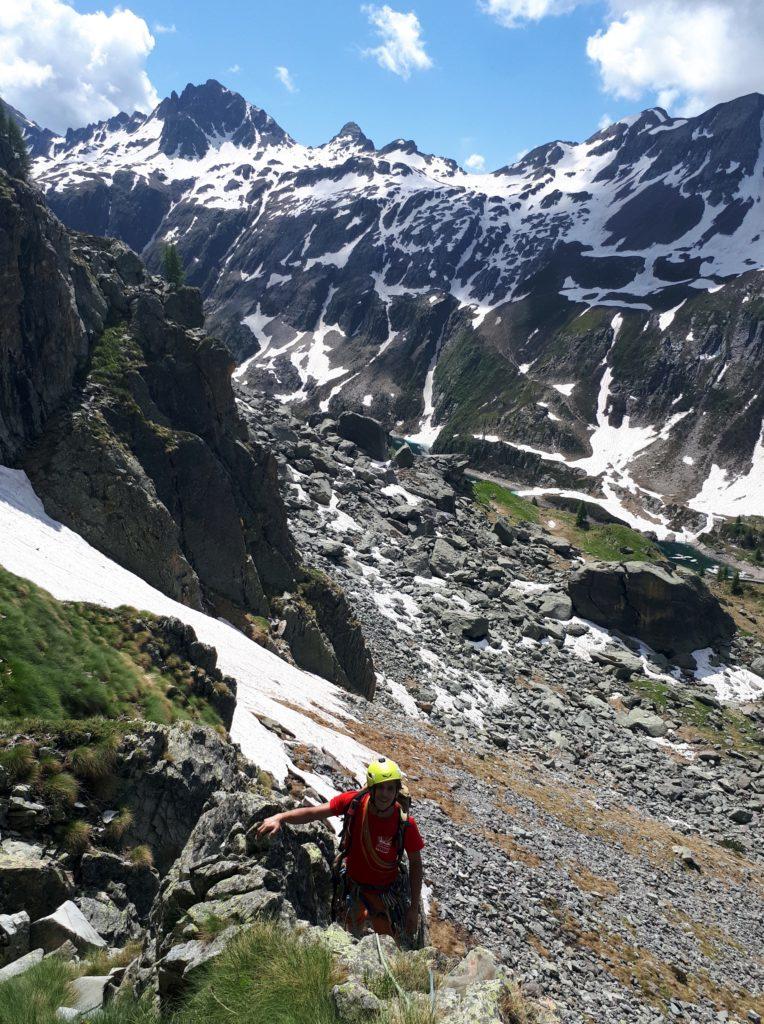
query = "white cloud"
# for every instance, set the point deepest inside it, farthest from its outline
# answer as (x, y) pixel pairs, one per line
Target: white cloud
(402, 49)
(161, 29)
(64, 69)
(234, 69)
(512, 13)
(689, 54)
(285, 78)
(475, 162)
(605, 121)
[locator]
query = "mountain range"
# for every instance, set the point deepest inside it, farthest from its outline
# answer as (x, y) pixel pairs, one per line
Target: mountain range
(587, 319)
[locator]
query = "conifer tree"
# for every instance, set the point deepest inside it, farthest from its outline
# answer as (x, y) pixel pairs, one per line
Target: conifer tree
(172, 266)
(736, 587)
(582, 520)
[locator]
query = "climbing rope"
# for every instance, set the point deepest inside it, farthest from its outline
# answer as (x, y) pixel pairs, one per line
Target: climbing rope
(391, 976)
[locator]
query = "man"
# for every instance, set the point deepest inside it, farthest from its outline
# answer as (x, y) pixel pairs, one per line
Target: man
(370, 886)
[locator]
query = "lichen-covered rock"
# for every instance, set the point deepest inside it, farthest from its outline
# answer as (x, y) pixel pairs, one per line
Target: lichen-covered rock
(354, 1003)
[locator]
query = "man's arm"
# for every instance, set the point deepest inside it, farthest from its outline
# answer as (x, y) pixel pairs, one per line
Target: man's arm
(299, 816)
(415, 882)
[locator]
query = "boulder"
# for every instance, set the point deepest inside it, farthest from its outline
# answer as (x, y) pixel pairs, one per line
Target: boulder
(557, 606)
(67, 922)
(29, 881)
(504, 532)
(14, 936)
(115, 925)
(639, 720)
(354, 1003)
(23, 963)
(479, 965)
(366, 432)
(404, 457)
(445, 560)
(88, 995)
(673, 612)
(757, 665)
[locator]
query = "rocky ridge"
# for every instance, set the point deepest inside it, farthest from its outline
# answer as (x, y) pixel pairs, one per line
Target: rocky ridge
(128, 428)
(466, 308)
(201, 797)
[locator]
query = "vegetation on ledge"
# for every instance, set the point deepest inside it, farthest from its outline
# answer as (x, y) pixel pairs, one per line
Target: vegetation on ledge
(606, 542)
(71, 660)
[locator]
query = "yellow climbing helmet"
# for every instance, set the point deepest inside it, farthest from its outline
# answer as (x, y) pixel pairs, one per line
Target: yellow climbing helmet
(383, 770)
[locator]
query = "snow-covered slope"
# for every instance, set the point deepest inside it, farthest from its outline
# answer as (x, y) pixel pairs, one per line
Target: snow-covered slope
(344, 275)
(36, 547)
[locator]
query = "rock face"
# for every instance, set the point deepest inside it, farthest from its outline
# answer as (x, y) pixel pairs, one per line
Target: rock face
(120, 408)
(673, 612)
(43, 346)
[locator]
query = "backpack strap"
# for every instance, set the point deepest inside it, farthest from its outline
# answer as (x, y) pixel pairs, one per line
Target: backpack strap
(346, 838)
(400, 835)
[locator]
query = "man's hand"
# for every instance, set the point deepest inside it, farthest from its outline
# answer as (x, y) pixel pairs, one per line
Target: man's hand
(412, 920)
(270, 826)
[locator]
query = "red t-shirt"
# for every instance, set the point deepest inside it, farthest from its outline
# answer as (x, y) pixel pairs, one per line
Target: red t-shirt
(381, 833)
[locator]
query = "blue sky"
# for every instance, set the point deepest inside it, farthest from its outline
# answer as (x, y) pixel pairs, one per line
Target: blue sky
(491, 90)
(485, 78)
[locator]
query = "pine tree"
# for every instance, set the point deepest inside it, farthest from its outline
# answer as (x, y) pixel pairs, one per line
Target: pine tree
(172, 266)
(757, 555)
(736, 587)
(723, 573)
(582, 520)
(14, 157)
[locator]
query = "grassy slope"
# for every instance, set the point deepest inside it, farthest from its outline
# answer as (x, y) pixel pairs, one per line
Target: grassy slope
(265, 975)
(602, 541)
(62, 660)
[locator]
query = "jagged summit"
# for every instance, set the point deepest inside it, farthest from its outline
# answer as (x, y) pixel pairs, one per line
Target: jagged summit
(351, 132)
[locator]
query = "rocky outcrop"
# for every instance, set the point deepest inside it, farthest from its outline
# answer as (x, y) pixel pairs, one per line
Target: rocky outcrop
(337, 622)
(672, 611)
(172, 773)
(130, 433)
(366, 432)
(43, 343)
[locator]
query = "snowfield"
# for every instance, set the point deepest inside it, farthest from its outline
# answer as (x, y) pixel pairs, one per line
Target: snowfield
(37, 548)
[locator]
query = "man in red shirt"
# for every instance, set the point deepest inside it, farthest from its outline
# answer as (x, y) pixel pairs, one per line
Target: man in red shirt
(371, 890)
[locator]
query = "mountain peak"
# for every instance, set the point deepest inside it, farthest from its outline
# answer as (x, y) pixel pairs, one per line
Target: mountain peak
(203, 113)
(352, 132)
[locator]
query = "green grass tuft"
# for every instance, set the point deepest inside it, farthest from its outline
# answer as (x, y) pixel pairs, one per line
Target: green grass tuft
(75, 838)
(61, 788)
(34, 997)
(141, 856)
(118, 827)
(265, 975)
(20, 762)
